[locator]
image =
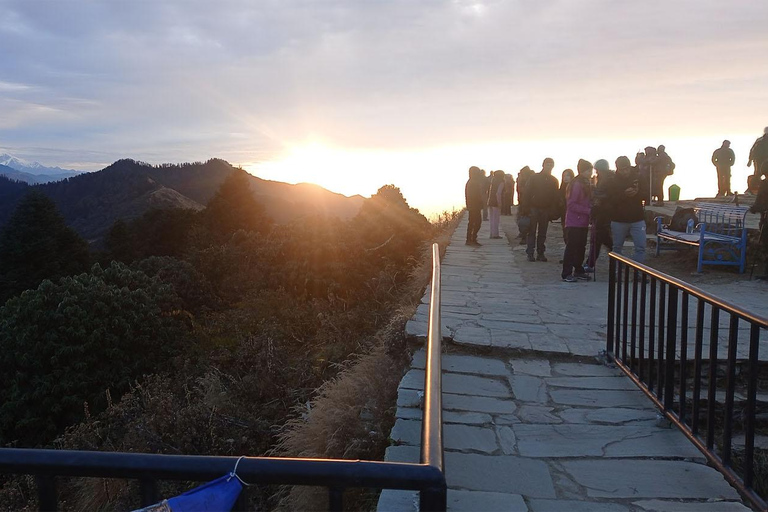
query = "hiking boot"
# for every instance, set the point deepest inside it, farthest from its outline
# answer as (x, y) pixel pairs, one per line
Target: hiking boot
(531, 258)
(569, 279)
(583, 277)
(541, 257)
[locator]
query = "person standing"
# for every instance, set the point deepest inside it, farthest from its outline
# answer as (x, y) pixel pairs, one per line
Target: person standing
(495, 193)
(627, 213)
(761, 207)
(508, 196)
(473, 195)
(723, 159)
(542, 198)
(757, 155)
(578, 198)
(662, 167)
(644, 161)
(485, 187)
(523, 212)
(601, 212)
(565, 179)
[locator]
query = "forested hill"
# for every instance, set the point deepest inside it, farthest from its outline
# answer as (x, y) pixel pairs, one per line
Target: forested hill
(92, 202)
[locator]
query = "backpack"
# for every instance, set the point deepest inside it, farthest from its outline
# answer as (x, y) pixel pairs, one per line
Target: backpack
(680, 219)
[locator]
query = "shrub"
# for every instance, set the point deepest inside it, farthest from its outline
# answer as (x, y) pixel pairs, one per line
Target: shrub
(64, 344)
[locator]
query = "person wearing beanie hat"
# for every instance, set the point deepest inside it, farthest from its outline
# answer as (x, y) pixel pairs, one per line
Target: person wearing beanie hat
(576, 223)
(523, 212)
(473, 195)
(628, 192)
(601, 213)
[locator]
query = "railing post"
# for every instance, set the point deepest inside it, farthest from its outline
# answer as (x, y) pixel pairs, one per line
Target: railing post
(148, 490)
(335, 499)
(611, 304)
(669, 379)
(433, 499)
(46, 493)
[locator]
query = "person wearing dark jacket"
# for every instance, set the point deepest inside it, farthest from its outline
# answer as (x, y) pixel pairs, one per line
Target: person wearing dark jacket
(723, 159)
(542, 198)
(473, 195)
(523, 214)
(761, 207)
(565, 179)
(662, 167)
(495, 197)
(601, 213)
(627, 212)
(757, 155)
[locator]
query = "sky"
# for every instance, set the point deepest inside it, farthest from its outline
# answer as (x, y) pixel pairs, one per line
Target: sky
(356, 94)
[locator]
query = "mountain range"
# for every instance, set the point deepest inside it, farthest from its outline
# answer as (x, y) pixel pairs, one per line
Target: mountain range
(32, 172)
(91, 202)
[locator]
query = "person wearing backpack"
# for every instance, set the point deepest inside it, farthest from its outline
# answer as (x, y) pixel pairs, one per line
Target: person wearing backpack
(723, 159)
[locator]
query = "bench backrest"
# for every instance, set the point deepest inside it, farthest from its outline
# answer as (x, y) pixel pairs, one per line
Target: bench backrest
(722, 218)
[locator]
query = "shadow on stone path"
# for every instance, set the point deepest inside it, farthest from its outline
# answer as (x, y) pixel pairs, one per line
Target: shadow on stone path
(531, 421)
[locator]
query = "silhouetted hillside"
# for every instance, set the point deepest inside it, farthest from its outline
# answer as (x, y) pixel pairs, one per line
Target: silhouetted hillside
(92, 202)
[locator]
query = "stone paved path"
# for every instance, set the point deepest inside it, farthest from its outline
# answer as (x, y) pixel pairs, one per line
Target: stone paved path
(531, 421)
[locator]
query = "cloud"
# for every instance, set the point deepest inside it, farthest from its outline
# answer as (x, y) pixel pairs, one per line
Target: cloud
(187, 79)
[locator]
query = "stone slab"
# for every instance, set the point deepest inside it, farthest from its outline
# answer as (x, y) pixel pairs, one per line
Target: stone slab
(464, 364)
(606, 478)
(474, 501)
(585, 370)
(406, 432)
(538, 414)
(409, 397)
(699, 506)
(533, 367)
(529, 389)
(465, 438)
(620, 382)
(559, 441)
(538, 505)
(599, 398)
(612, 415)
(501, 473)
(507, 440)
(478, 404)
(460, 384)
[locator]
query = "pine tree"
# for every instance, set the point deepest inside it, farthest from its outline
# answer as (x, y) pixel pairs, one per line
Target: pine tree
(37, 244)
(234, 208)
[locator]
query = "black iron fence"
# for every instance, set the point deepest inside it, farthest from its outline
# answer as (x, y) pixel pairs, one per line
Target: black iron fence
(428, 476)
(676, 341)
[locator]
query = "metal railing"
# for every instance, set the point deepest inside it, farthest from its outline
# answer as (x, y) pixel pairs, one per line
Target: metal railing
(427, 477)
(649, 316)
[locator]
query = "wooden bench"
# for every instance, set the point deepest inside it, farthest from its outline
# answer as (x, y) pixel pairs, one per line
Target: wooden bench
(721, 235)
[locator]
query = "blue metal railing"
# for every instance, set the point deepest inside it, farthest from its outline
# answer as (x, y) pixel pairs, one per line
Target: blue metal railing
(337, 475)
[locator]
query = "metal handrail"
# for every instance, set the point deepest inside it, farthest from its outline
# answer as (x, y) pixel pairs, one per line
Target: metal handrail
(693, 290)
(428, 477)
(647, 354)
(432, 426)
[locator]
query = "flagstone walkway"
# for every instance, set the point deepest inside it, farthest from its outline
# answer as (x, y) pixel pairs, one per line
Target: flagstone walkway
(532, 422)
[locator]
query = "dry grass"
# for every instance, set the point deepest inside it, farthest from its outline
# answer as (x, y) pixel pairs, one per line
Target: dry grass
(352, 415)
